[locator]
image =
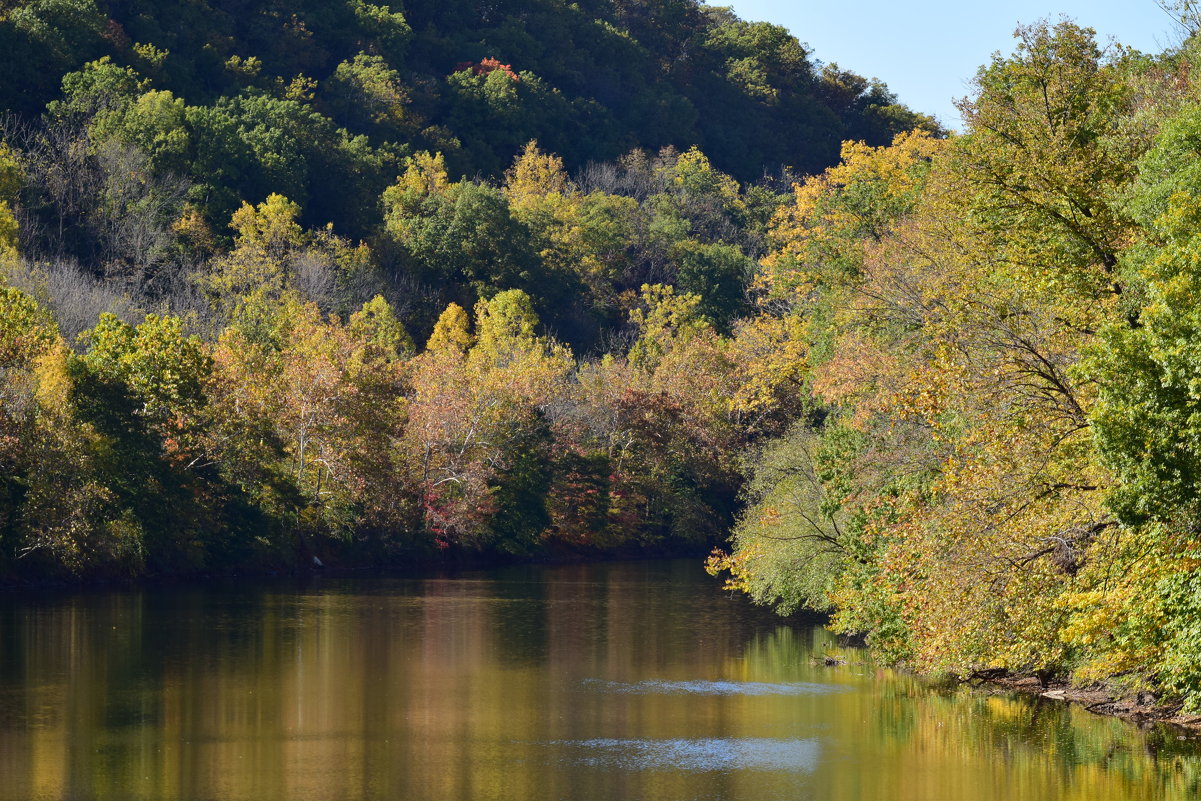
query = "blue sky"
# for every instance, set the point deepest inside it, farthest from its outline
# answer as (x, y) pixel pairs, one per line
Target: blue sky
(928, 52)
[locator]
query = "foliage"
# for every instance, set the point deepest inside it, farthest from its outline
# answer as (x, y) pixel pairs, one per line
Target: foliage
(999, 331)
(946, 389)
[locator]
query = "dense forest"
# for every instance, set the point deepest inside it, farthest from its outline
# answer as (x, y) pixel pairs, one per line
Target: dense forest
(344, 283)
(351, 284)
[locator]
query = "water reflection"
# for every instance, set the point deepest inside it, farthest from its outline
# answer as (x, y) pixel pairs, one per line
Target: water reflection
(587, 682)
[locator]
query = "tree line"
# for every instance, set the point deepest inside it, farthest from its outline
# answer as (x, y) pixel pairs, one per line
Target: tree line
(266, 404)
(248, 98)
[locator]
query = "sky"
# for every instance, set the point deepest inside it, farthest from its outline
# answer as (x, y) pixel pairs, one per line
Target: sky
(928, 51)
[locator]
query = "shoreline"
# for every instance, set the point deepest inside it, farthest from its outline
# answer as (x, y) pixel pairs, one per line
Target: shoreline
(1142, 710)
(417, 565)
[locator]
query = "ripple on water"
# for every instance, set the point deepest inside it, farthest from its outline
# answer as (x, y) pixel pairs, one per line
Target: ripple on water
(710, 754)
(657, 687)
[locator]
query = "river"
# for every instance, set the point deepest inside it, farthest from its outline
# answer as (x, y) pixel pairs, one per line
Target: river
(639, 681)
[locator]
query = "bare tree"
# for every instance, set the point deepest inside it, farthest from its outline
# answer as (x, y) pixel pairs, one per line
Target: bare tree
(75, 298)
(315, 277)
(137, 209)
(62, 182)
(98, 203)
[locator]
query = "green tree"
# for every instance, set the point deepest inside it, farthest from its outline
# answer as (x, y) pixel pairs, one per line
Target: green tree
(720, 276)
(1046, 152)
(463, 233)
(366, 92)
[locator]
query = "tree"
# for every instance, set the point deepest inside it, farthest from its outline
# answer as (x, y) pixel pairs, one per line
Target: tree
(945, 347)
(58, 515)
(1046, 152)
(142, 390)
(462, 233)
(10, 186)
(720, 276)
(479, 424)
(583, 240)
(365, 91)
(1145, 423)
(309, 421)
(46, 39)
(793, 540)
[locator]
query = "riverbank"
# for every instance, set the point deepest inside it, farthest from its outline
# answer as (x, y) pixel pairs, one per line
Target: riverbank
(1142, 709)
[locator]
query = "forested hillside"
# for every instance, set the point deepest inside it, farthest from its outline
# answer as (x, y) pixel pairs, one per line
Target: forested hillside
(363, 282)
(246, 98)
(285, 281)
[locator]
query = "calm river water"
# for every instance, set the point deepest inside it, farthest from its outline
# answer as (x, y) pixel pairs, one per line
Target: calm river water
(635, 681)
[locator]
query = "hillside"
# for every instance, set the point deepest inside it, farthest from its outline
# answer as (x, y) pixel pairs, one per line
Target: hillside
(249, 98)
(374, 282)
